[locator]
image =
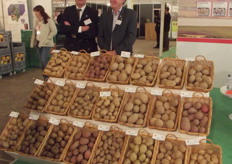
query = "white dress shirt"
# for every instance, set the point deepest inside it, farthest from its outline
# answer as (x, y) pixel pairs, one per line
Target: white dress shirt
(80, 15)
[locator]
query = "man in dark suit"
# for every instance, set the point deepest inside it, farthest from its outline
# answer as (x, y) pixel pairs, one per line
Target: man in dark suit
(167, 21)
(117, 28)
(80, 25)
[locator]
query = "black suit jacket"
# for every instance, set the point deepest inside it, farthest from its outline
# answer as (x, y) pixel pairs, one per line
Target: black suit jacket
(123, 36)
(76, 41)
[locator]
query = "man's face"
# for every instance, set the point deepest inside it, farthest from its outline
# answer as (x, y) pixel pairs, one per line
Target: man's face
(80, 2)
(116, 3)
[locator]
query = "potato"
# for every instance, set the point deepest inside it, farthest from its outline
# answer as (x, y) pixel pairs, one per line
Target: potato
(114, 66)
(165, 75)
(185, 124)
(198, 67)
(133, 118)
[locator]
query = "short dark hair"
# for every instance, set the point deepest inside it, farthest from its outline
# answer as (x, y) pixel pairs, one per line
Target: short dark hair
(124, 2)
(167, 8)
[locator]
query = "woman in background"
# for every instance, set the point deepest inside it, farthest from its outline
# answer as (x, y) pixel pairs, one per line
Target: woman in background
(42, 35)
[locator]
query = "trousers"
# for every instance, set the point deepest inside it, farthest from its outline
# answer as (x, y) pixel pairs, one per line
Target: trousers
(166, 40)
(43, 53)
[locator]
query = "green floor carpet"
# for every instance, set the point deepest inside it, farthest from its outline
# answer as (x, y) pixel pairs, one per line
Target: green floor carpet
(221, 126)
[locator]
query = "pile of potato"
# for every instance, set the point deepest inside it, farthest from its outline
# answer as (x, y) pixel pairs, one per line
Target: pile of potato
(199, 76)
(109, 149)
(98, 67)
(12, 133)
(171, 152)
(34, 137)
(195, 117)
(145, 71)
(203, 156)
(61, 99)
(57, 64)
(120, 69)
(40, 96)
(84, 102)
(82, 145)
(140, 150)
(135, 109)
(77, 66)
(108, 108)
(171, 74)
(57, 141)
(165, 112)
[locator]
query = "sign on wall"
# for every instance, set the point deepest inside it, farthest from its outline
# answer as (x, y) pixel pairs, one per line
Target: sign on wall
(205, 19)
(16, 17)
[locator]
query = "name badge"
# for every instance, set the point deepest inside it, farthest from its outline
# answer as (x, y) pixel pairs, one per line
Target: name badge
(118, 22)
(87, 22)
(38, 32)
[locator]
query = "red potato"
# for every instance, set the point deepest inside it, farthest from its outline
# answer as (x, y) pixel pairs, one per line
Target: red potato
(205, 108)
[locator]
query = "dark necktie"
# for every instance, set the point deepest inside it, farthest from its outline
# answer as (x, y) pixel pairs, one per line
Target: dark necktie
(78, 14)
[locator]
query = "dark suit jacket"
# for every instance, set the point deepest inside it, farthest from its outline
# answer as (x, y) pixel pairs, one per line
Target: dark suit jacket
(167, 21)
(85, 40)
(123, 36)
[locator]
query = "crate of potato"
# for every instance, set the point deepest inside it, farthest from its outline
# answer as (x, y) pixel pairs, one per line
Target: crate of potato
(57, 141)
(98, 68)
(120, 70)
(109, 147)
(165, 112)
(107, 107)
(145, 71)
(204, 153)
(172, 150)
(196, 115)
(34, 136)
(59, 102)
(82, 145)
(13, 132)
(200, 75)
(135, 109)
(77, 66)
(82, 104)
(40, 96)
(139, 149)
(57, 64)
(171, 73)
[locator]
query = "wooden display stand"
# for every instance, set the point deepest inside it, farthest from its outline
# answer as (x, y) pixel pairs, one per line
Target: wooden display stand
(150, 31)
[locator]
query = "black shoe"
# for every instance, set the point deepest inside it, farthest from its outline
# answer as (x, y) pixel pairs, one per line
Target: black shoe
(156, 47)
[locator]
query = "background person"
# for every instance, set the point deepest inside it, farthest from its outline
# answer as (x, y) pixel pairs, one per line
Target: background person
(59, 17)
(167, 21)
(157, 29)
(117, 28)
(80, 25)
(42, 35)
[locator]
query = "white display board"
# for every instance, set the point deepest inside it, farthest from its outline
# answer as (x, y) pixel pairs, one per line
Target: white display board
(15, 17)
(1, 16)
(217, 52)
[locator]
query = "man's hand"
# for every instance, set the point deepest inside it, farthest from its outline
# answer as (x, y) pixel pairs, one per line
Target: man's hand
(67, 23)
(111, 52)
(84, 28)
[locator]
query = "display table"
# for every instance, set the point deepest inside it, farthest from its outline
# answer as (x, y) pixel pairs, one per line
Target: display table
(150, 31)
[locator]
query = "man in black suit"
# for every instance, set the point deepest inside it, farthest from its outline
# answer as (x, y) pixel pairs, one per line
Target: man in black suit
(167, 21)
(117, 28)
(80, 25)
